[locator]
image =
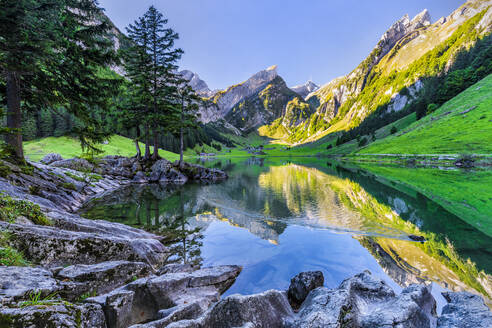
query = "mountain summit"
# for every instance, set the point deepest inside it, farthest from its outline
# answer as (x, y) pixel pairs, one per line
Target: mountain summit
(305, 89)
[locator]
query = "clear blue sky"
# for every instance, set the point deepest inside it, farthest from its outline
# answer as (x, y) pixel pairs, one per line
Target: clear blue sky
(226, 41)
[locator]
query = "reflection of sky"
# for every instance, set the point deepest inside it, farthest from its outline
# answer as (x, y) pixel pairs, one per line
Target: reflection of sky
(267, 266)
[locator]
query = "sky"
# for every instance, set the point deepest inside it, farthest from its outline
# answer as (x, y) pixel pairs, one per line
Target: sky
(227, 41)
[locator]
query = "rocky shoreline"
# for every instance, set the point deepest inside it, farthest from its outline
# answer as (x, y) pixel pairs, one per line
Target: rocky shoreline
(95, 273)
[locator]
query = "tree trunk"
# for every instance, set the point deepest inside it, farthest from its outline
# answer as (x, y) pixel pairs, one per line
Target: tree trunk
(181, 146)
(155, 156)
(147, 142)
(137, 146)
(14, 115)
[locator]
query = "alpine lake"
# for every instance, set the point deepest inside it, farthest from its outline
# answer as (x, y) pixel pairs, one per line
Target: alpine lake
(277, 217)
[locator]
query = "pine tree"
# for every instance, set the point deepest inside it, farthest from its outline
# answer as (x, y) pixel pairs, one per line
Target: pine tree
(150, 64)
(51, 54)
(138, 67)
(164, 56)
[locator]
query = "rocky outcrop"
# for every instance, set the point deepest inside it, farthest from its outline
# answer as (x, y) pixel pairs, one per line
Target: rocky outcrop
(364, 301)
(305, 89)
(191, 298)
(464, 310)
(183, 292)
(51, 246)
(266, 310)
(196, 83)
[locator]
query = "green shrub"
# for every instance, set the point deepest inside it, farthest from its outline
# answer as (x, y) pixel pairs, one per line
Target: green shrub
(432, 108)
(11, 209)
(363, 142)
(8, 255)
(4, 171)
(75, 177)
(68, 185)
(393, 130)
(330, 146)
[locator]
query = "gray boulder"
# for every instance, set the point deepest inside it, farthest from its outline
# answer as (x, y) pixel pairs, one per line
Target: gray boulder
(270, 309)
(302, 284)
(18, 283)
(57, 315)
(464, 310)
(50, 158)
(364, 301)
(142, 300)
(50, 246)
(99, 278)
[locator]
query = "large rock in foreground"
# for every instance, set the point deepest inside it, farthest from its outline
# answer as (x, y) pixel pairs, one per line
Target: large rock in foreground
(50, 246)
(364, 301)
(57, 315)
(182, 294)
(464, 310)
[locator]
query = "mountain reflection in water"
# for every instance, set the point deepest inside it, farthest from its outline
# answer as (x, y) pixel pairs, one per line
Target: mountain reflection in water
(277, 219)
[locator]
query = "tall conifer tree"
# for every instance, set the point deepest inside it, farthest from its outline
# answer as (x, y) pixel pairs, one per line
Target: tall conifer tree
(52, 52)
(151, 64)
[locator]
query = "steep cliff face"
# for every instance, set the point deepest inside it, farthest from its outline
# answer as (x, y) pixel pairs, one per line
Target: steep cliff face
(196, 83)
(228, 98)
(263, 107)
(248, 105)
(333, 95)
(390, 77)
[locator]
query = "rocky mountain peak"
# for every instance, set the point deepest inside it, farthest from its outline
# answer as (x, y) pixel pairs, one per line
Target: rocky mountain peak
(196, 83)
(228, 98)
(421, 19)
(305, 89)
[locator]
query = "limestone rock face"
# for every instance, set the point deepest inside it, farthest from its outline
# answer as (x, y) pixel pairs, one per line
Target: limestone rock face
(196, 83)
(464, 310)
(305, 89)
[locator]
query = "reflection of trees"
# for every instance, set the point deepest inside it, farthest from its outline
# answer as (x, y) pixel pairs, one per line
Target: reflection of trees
(310, 190)
(183, 240)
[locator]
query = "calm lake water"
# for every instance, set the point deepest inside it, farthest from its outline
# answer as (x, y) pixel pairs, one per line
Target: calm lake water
(278, 217)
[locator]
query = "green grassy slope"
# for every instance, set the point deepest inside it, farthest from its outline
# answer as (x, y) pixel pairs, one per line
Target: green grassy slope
(462, 125)
(463, 193)
(69, 147)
